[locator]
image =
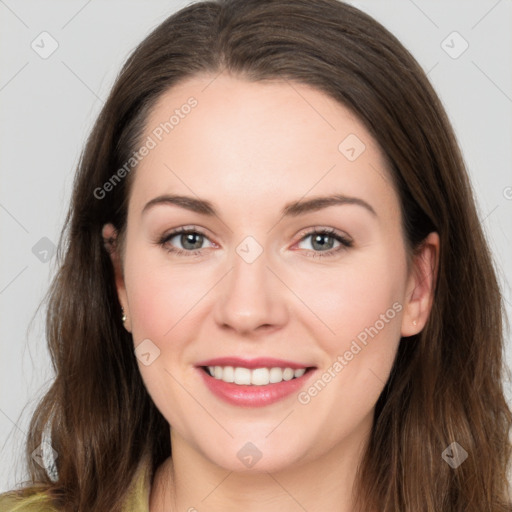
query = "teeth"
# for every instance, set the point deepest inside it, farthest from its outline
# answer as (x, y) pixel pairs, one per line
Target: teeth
(242, 375)
(260, 376)
(256, 377)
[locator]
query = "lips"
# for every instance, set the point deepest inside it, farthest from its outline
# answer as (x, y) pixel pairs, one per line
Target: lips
(247, 394)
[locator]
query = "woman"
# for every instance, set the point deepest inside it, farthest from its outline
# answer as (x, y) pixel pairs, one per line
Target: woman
(275, 293)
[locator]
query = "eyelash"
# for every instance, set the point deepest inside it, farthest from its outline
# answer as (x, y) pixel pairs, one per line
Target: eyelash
(345, 243)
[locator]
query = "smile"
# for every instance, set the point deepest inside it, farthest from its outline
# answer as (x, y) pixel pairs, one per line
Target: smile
(256, 377)
(254, 383)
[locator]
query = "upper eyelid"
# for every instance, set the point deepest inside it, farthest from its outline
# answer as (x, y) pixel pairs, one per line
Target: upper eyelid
(184, 229)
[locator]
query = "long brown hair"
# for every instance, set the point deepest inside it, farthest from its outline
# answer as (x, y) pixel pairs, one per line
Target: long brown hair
(446, 383)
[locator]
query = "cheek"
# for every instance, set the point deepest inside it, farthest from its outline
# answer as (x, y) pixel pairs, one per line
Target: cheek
(159, 294)
(361, 294)
(148, 304)
(361, 305)
(161, 299)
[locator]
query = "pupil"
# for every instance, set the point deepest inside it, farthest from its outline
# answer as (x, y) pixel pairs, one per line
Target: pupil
(189, 238)
(318, 238)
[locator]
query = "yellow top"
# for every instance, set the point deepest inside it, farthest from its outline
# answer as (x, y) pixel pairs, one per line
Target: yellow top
(137, 499)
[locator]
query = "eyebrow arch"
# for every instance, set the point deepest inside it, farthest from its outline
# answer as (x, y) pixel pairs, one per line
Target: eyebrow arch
(293, 209)
(317, 203)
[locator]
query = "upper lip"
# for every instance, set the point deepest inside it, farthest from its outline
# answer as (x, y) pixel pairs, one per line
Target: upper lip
(259, 362)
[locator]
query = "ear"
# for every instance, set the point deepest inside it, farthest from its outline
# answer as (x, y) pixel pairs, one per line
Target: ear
(110, 242)
(421, 286)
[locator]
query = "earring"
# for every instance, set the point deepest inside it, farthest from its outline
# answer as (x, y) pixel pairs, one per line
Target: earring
(123, 317)
(413, 322)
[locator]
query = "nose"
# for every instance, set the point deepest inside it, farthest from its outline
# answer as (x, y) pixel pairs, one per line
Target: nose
(251, 298)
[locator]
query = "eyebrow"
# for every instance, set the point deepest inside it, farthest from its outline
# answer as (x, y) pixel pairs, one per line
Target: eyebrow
(293, 209)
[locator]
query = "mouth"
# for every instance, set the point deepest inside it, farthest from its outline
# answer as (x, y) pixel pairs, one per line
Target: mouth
(254, 383)
(242, 376)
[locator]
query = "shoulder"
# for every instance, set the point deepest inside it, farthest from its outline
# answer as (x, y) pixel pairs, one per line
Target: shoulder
(13, 501)
(34, 499)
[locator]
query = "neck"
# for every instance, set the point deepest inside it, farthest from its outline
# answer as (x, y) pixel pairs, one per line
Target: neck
(190, 482)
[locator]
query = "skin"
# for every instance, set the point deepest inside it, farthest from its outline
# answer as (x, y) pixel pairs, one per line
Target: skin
(249, 149)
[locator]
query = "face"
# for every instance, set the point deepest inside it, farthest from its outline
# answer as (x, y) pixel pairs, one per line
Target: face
(264, 271)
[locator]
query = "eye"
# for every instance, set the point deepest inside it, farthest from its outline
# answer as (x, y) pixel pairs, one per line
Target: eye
(323, 242)
(190, 239)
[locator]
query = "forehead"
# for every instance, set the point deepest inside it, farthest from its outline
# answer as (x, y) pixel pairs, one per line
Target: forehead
(227, 139)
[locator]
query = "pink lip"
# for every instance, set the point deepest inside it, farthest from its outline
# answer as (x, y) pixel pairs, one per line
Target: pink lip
(260, 362)
(253, 396)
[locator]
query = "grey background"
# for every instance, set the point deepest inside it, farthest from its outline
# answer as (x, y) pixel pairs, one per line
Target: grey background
(48, 105)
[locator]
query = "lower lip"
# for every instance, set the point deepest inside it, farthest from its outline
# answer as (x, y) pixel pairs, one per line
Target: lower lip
(254, 396)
